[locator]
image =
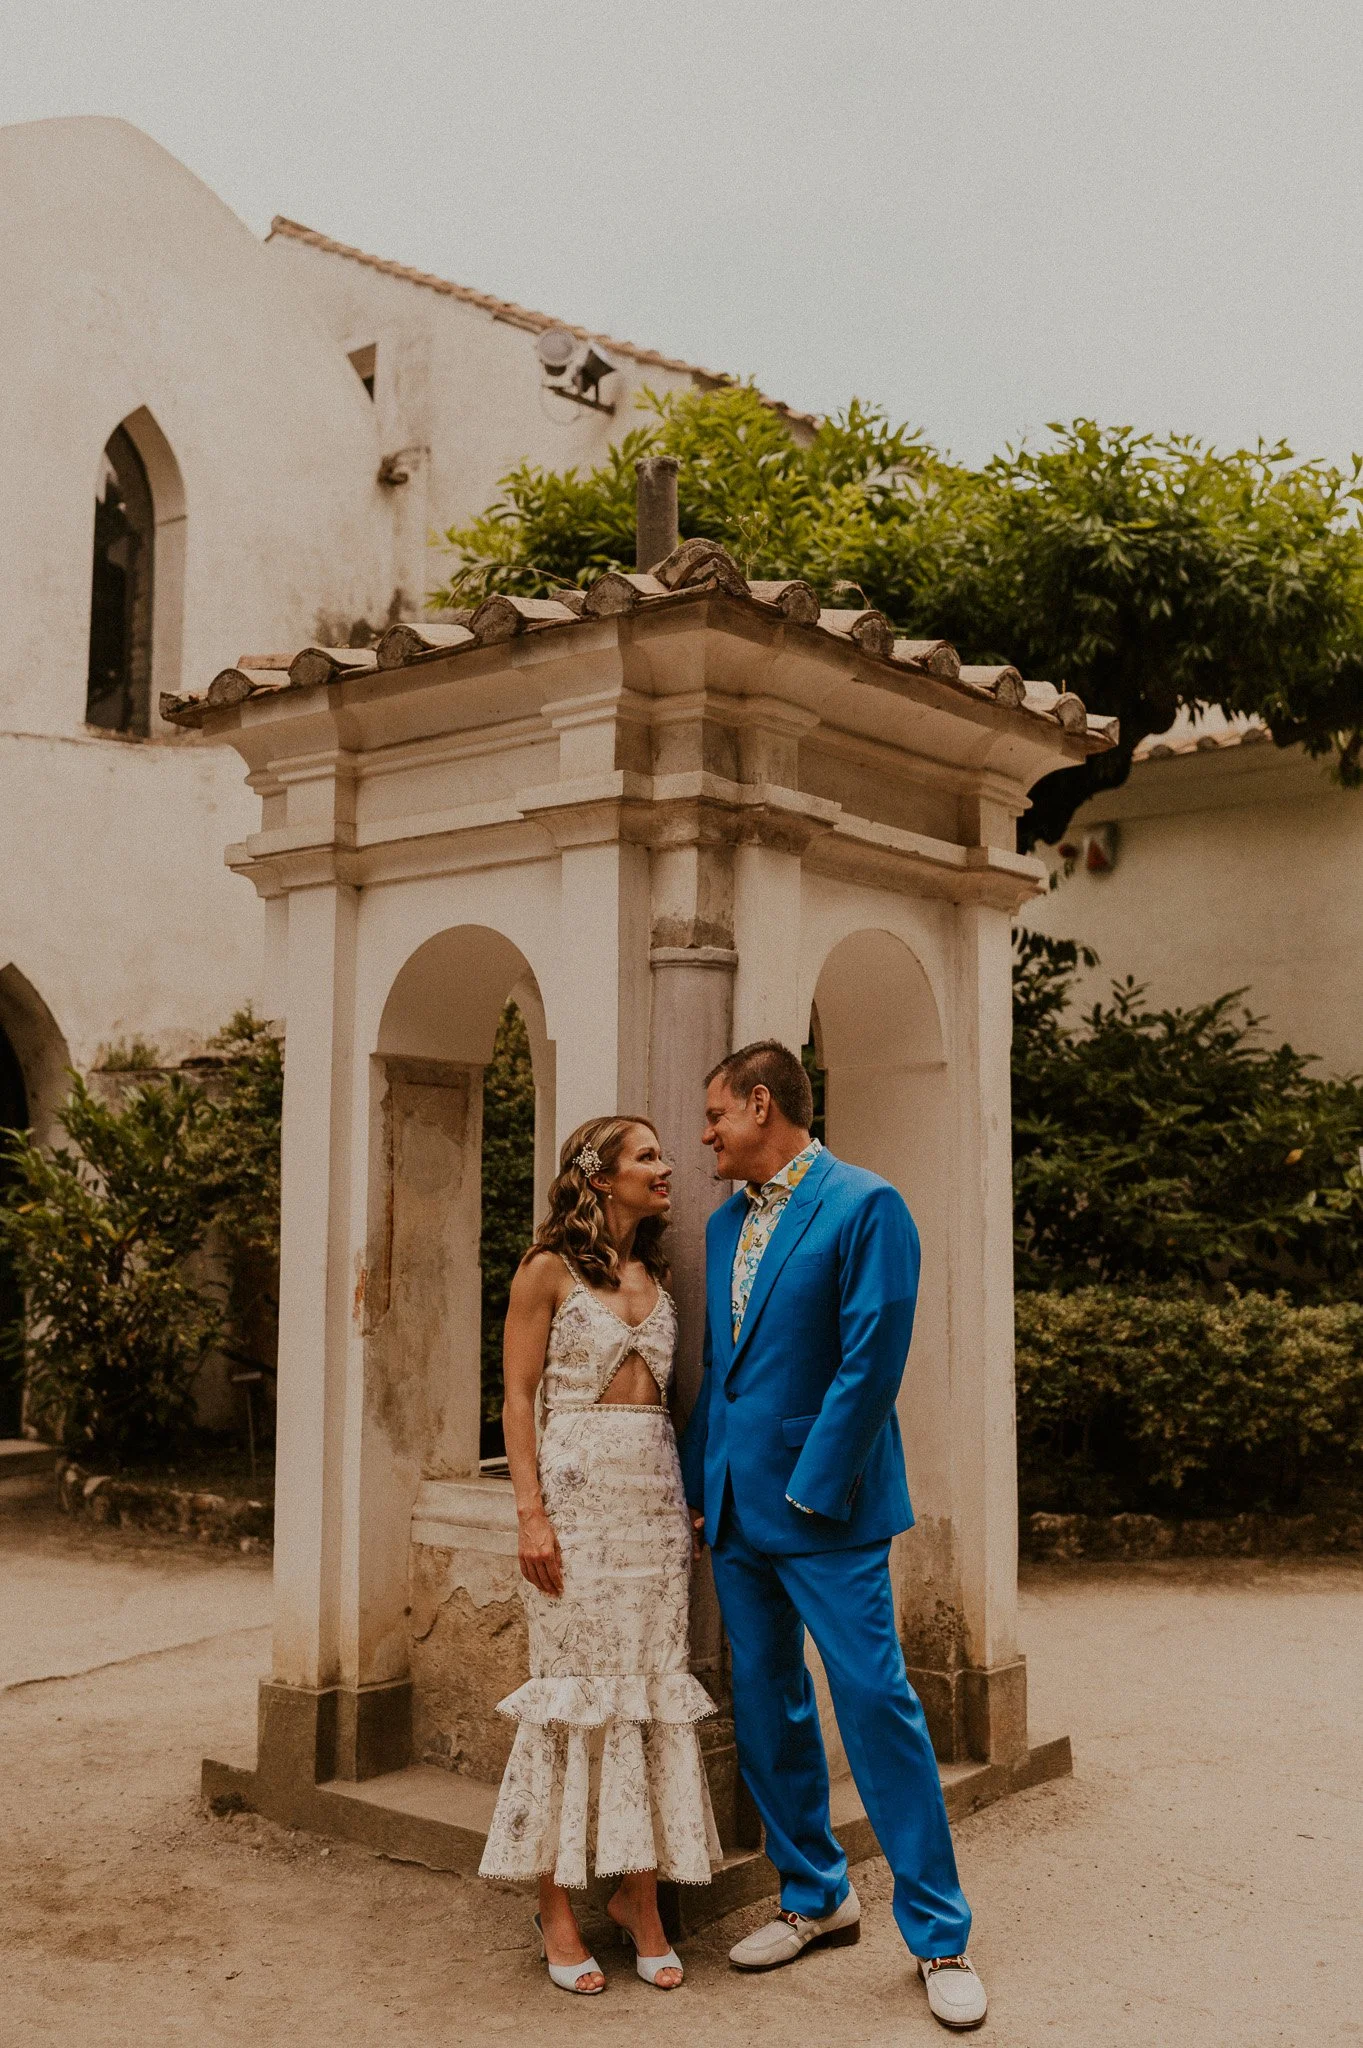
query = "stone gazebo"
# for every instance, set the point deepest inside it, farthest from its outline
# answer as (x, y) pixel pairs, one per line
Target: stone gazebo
(668, 815)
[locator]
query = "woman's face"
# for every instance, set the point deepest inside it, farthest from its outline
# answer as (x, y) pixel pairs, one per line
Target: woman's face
(640, 1180)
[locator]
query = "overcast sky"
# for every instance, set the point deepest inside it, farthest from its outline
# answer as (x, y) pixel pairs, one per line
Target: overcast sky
(981, 216)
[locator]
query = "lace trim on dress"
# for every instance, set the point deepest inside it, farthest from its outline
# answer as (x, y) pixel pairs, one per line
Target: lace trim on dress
(669, 1698)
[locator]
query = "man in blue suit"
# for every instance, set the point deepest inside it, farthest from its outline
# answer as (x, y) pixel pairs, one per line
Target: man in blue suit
(795, 1475)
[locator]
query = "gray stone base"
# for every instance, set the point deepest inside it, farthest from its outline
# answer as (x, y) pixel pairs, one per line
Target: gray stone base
(306, 1738)
(975, 1715)
(422, 1814)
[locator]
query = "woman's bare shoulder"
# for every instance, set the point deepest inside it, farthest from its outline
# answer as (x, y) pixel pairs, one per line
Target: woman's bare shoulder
(541, 1282)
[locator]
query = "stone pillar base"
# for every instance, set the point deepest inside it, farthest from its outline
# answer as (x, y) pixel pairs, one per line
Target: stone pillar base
(307, 1736)
(974, 1714)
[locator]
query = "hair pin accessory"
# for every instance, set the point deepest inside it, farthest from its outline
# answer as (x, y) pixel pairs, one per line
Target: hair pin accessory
(588, 1161)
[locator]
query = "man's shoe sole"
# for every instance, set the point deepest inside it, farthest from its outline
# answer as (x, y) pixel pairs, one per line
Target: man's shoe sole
(837, 1937)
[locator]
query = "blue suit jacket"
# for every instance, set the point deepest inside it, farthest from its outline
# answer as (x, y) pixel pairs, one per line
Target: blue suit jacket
(804, 1403)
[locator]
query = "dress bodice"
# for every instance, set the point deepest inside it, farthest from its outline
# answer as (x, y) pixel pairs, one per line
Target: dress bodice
(588, 1343)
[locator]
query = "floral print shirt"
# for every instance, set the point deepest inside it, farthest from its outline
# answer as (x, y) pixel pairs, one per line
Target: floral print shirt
(765, 1205)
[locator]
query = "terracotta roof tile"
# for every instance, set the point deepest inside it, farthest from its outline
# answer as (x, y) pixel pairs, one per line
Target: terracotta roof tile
(691, 570)
(1157, 749)
(513, 315)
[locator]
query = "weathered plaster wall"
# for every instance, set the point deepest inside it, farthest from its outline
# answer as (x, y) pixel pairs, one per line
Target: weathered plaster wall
(460, 390)
(1236, 869)
(130, 285)
(116, 906)
(469, 1649)
(132, 290)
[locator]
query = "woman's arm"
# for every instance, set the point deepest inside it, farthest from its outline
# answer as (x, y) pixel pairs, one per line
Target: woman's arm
(534, 1298)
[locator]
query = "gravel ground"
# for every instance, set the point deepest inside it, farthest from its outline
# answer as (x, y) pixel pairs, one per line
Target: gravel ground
(1197, 1882)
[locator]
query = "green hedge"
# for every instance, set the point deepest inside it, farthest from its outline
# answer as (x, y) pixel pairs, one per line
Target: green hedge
(1164, 1402)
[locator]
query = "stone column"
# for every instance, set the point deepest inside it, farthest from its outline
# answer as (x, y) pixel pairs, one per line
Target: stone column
(602, 990)
(412, 1411)
(972, 1677)
(691, 1026)
(298, 1704)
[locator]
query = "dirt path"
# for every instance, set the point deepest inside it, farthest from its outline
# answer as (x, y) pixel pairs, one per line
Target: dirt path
(1197, 1882)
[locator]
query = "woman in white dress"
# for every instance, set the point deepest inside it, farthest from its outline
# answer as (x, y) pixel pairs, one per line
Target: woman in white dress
(606, 1761)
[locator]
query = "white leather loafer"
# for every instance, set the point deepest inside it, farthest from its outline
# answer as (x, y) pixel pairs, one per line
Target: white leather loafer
(790, 1934)
(955, 1994)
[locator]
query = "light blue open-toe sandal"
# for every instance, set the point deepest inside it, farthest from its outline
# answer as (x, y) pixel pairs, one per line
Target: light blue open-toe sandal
(568, 1975)
(649, 1966)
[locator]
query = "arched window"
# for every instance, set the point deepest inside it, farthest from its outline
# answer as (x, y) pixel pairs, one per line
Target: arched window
(118, 693)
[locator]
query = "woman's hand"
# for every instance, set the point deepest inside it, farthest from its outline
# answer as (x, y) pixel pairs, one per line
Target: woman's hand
(697, 1534)
(540, 1558)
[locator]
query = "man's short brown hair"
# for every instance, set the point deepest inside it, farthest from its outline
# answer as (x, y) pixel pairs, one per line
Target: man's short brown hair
(773, 1066)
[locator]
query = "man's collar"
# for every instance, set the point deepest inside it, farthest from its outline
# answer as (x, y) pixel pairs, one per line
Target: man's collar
(789, 1177)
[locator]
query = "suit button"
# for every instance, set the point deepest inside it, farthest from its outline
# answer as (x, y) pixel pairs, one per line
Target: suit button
(729, 1394)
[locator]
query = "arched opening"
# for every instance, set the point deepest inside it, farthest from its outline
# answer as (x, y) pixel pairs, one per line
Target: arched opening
(876, 1046)
(13, 1117)
(877, 1038)
(137, 576)
(464, 1131)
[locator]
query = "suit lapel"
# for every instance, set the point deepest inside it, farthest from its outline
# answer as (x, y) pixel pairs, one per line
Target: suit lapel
(794, 1221)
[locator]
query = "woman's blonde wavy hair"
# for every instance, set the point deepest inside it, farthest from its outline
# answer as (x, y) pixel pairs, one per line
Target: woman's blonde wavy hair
(575, 1227)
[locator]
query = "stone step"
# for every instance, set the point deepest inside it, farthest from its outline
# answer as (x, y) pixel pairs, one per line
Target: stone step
(26, 1468)
(20, 1455)
(425, 1815)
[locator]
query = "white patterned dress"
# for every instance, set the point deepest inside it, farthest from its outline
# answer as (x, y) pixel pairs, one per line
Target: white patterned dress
(606, 1763)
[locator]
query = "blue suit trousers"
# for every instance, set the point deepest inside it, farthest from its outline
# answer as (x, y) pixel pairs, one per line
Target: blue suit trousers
(844, 1599)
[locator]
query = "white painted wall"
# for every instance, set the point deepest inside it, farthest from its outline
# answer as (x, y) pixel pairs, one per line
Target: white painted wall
(133, 292)
(461, 390)
(1240, 868)
(131, 289)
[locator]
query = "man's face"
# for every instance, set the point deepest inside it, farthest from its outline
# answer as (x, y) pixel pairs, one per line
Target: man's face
(735, 1131)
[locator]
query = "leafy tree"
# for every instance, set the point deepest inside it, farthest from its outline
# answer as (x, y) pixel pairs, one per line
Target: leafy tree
(99, 1237)
(242, 1165)
(1155, 1146)
(1146, 574)
(508, 1198)
(247, 1118)
(102, 1236)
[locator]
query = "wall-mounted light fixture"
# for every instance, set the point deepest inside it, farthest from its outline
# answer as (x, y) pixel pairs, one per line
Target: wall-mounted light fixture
(575, 369)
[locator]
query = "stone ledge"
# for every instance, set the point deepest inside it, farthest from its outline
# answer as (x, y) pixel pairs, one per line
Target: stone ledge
(425, 1815)
(26, 1468)
(247, 1525)
(1137, 1538)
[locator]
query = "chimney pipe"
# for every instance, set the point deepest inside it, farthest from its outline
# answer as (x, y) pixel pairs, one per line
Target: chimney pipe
(655, 509)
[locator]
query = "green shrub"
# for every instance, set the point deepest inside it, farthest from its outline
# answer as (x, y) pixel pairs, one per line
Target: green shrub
(98, 1237)
(1152, 1146)
(508, 1198)
(247, 1100)
(1174, 1402)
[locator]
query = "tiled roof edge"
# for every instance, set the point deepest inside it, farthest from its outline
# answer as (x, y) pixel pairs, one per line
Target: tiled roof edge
(513, 315)
(693, 569)
(1255, 734)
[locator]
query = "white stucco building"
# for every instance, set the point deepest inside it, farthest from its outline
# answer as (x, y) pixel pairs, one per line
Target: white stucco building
(216, 447)
(1224, 862)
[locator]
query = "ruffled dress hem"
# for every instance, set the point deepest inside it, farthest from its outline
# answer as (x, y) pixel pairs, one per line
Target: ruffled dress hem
(671, 1697)
(652, 1806)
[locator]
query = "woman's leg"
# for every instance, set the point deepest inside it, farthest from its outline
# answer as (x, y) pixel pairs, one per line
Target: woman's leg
(635, 1906)
(563, 1941)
